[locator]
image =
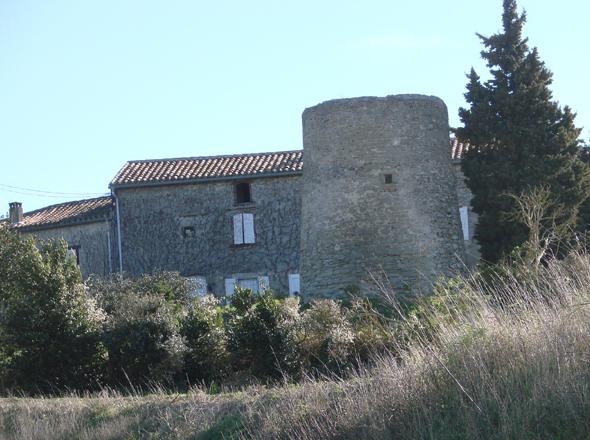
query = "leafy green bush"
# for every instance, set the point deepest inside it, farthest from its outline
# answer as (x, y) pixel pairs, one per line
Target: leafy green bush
(206, 357)
(260, 334)
(142, 327)
(49, 331)
(168, 285)
(325, 337)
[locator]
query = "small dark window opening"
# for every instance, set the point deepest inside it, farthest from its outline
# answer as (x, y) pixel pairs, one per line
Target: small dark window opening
(388, 179)
(188, 232)
(243, 193)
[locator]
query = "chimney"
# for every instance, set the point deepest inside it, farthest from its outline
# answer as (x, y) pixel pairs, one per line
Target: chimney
(15, 212)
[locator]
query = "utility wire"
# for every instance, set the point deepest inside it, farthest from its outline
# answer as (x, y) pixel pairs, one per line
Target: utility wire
(45, 196)
(48, 193)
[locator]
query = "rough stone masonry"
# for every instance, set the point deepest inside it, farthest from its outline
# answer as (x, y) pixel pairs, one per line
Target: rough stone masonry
(379, 194)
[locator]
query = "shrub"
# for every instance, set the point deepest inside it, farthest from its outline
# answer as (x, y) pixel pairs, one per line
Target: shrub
(49, 331)
(206, 357)
(170, 286)
(260, 334)
(142, 328)
(373, 332)
(325, 336)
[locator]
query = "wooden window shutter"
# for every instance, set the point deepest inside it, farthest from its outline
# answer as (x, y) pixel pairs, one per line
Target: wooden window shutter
(464, 213)
(238, 229)
(249, 228)
(294, 284)
(230, 285)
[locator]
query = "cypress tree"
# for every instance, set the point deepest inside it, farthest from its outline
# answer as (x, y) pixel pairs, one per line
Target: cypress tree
(520, 138)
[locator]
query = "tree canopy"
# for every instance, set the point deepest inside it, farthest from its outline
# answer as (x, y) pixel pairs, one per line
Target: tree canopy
(520, 138)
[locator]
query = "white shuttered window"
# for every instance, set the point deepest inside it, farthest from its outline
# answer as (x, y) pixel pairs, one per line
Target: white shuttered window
(230, 285)
(244, 228)
(464, 213)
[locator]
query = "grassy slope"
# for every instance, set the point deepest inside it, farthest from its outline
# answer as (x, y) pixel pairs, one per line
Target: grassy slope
(519, 372)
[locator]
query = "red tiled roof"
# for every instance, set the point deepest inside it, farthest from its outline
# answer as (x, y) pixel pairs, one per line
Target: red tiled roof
(68, 212)
(197, 168)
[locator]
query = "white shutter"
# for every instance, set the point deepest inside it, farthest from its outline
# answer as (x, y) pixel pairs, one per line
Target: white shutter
(230, 285)
(238, 229)
(263, 283)
(464, 213)
(249, 228)
(294, 284)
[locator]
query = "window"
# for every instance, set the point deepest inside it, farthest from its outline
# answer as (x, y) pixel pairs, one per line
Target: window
(244, 228)
(254, 283)
(188, 232)
(294, 288)
(243, 193)
(74, 252)
(197, 286)
(388, 178)
(248, 283)
(464, 213)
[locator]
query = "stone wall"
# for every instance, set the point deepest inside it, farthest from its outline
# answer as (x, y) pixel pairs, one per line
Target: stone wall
(154, 221)
(378, 194)
(92, 240)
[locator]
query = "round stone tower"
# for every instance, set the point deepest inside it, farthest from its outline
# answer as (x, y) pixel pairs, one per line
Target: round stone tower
(378, 195)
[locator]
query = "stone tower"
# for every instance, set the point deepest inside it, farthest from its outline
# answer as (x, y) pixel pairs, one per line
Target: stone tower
(378, 194)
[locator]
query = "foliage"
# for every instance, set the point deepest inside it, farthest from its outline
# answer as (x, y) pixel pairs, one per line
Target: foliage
(206, 358)
(260, 334)
(325, 337)
(520, 139)
(49, 331)
(142, 327)
(169, 285)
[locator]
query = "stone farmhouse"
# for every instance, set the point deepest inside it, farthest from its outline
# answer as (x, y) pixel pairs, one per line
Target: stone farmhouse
(377, 187)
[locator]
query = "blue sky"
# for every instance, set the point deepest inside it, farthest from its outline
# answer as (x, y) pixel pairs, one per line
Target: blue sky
(88, 85)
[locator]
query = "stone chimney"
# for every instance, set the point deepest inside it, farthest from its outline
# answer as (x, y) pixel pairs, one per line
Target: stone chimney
(15, 212)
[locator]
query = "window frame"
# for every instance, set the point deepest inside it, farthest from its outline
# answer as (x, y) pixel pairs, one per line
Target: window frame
(237, 193)
(244, 229)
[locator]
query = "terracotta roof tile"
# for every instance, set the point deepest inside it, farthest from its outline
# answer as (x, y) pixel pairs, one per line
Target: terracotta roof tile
(139, 172)
(65, 213)
(197, 168)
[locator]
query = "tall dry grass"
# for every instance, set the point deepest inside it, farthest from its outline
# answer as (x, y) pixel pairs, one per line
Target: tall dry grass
(508, 359)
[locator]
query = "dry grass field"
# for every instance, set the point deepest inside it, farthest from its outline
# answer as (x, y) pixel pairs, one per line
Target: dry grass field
(474, 369)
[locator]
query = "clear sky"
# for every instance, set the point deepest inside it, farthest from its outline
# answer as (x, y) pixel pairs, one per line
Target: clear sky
(88, 85)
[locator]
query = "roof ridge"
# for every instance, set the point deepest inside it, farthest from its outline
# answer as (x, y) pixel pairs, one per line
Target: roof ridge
(219, 156)
(71, 202)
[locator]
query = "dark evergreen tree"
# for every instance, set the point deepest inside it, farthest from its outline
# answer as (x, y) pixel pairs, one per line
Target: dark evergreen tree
(520, 138)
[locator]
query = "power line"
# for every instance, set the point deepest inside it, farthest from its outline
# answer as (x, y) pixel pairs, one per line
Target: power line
(47, 196)
(52, 193)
